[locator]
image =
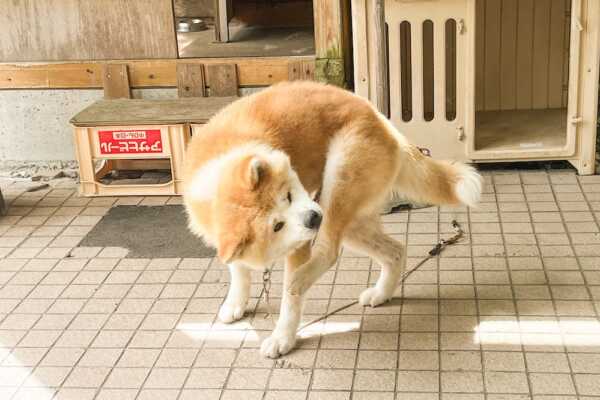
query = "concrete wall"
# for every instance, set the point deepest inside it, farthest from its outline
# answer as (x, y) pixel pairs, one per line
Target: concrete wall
(34, 124)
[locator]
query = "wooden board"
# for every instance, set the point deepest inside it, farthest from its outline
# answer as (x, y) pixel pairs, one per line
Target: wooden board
(589, 92)
(331, 41)
(541, 54)
(301, 70)
(3, 207)
(223, 11)
(190, 80)
(508, 50)
(360, 52)
(558, 49)
(142, 73)
(115, 81)
(150, 112)
(524, 57)
(60, 30)
(223, 80)
(479, 54)
(328, 28)
(493, 23)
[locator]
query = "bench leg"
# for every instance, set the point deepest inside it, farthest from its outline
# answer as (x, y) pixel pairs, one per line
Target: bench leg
(3, 208)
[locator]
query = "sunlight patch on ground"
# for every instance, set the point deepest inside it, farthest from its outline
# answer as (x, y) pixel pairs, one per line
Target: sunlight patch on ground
(243, 330)
(328, 328)
(539, 332)
(13, 373)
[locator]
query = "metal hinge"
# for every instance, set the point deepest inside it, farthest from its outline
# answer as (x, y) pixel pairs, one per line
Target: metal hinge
(461, 26)
(578, 24)
(461, 133)
(576, 120)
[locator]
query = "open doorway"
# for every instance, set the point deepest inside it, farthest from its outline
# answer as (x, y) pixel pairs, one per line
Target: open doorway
(257, 28)
(522, 77)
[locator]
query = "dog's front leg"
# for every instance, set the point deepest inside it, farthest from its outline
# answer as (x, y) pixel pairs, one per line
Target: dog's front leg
(323, 256)
(239, 291)
(283, 338)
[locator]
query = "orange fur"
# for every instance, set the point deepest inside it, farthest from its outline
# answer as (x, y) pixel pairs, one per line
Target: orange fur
(299, 138)
(301, 119)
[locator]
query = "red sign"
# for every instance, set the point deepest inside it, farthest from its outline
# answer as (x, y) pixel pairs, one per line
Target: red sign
(130, 142)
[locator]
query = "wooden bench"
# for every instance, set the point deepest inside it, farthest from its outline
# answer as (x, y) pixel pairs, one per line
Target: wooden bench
(133, 134)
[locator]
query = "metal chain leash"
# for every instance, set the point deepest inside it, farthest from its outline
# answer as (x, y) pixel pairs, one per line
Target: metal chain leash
(266, 289)
(434, 252)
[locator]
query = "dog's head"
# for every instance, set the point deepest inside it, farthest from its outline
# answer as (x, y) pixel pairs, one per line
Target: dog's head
(262, 211)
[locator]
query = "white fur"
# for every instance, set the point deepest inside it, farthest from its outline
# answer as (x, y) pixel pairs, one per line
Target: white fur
(337, 153)
(283, 338)
(294, 232)
(239, 292)
(469, 186)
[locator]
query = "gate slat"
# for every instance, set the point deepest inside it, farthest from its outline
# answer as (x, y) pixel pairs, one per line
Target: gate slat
(439, 64)
(417, 70)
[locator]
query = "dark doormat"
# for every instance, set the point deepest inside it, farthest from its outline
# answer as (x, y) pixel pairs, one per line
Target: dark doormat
(147, 232)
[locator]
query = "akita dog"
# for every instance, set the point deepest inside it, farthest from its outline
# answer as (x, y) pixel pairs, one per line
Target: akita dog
(296, 171)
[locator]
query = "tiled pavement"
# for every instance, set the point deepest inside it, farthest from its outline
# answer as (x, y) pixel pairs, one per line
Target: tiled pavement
(510, 313)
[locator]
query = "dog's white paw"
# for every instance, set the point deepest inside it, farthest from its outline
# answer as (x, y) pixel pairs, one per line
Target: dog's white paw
(373, 297)
(277, 345)
(230, 312)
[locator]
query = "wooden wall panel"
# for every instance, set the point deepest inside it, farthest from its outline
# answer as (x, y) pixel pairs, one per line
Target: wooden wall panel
(479, 54)
(144, 73)
(522, 53)
(64, 30)
(35, 30)
(558, 48)
(328, 32)
(541, 53)
(493, 26)
(524, 58)
(508, 72)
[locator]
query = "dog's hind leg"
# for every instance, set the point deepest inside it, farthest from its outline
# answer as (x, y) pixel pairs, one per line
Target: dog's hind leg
(358, 175)
(366, 236)
(283, 338)
(239, 291)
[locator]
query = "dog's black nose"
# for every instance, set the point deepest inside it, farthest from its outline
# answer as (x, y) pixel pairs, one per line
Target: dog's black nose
(313, 219)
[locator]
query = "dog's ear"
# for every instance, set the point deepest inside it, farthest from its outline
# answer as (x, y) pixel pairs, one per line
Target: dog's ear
(256, 172)
(231, 246)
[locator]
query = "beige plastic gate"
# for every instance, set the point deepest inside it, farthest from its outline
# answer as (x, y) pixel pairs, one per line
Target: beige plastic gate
(424, 44)
(484, 80)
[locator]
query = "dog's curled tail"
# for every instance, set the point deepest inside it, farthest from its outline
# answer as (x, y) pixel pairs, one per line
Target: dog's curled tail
(430, 181)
